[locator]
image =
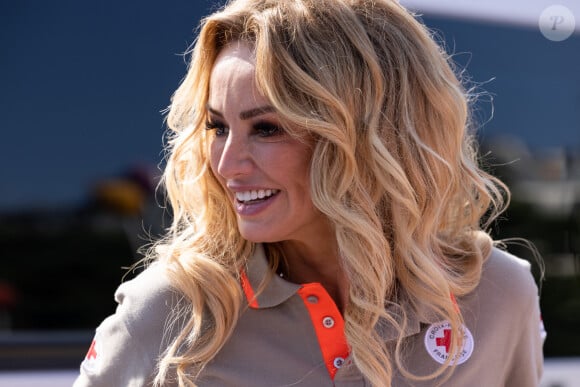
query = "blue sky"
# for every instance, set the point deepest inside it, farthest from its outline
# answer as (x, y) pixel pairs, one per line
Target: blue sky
(83, 85)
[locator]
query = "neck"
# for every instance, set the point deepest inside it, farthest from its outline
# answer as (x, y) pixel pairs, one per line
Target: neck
(316, 262)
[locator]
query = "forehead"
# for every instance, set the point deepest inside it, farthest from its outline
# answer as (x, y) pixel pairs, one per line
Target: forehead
(234, 57)
(232, 81)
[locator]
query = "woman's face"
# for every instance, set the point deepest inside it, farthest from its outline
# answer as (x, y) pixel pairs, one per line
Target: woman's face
(264, 171)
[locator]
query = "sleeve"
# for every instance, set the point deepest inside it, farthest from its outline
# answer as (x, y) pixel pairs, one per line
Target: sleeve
(528, 359)
(115, 358)
(128, 344)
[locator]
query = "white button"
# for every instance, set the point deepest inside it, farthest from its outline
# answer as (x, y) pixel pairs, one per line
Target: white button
(338, 362)
(312, 299)
(328, 322)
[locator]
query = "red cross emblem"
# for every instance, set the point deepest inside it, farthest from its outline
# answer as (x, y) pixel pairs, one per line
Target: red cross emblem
(444, 341)
(438, 340)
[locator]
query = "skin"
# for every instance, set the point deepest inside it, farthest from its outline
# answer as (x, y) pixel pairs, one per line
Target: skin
(249, 152)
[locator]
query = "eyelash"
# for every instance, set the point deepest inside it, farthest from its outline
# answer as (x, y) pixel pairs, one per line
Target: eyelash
(217, 126)
(262, 129)
(266, 129)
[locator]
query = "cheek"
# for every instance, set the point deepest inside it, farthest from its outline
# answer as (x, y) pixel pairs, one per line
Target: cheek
(298, 172)
(214, 152)
(214, 157)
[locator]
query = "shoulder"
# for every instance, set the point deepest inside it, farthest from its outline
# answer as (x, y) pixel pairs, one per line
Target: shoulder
(147, 300)
(506, 289)
(508, 276)
(148, 291)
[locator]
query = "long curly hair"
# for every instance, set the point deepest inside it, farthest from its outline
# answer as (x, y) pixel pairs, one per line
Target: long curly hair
(393, 168)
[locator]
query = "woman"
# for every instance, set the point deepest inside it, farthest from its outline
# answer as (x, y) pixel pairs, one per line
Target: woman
(328, 216)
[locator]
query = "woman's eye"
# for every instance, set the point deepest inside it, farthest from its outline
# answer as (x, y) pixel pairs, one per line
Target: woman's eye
(265, 129)
(219, 128)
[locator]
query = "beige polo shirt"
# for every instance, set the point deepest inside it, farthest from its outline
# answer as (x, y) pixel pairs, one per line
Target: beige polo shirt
(292, 335)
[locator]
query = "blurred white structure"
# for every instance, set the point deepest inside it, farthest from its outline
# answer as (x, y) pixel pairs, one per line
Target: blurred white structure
(557, 373)
(563, 372)
(514, 12)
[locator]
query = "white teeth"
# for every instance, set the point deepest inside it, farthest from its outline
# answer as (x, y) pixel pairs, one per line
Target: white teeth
(246, 196)
(262, 194)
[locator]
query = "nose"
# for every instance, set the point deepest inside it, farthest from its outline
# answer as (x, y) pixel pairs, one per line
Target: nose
(235, 158)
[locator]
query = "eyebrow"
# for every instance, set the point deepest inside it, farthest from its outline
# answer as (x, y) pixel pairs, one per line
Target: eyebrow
(246, 114)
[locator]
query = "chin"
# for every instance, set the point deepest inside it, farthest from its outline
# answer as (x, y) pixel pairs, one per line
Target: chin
(258, 236)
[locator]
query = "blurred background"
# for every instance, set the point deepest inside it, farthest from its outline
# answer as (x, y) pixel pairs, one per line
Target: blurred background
(82, 90)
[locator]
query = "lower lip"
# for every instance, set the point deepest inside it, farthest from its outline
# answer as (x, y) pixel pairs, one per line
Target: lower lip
(245, 209)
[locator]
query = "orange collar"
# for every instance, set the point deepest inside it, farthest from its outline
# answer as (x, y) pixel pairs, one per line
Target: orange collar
(277, 290)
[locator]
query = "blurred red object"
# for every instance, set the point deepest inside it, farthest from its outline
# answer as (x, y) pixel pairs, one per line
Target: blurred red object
(8, 295)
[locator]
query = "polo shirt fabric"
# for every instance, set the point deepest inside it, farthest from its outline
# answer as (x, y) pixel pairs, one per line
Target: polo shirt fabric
(292, 335)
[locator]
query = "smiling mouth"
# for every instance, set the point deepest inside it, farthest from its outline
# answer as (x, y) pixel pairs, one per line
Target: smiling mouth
(254, 196)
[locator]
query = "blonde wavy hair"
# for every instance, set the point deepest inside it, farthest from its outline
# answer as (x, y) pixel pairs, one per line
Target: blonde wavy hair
(394, 169)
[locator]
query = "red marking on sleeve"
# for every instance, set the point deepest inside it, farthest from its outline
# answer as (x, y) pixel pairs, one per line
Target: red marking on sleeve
(92, 353)
(330, 335)
(248, 291)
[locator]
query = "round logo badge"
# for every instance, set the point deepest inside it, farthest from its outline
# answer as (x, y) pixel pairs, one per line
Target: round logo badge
(438, 343)
(557, 23)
